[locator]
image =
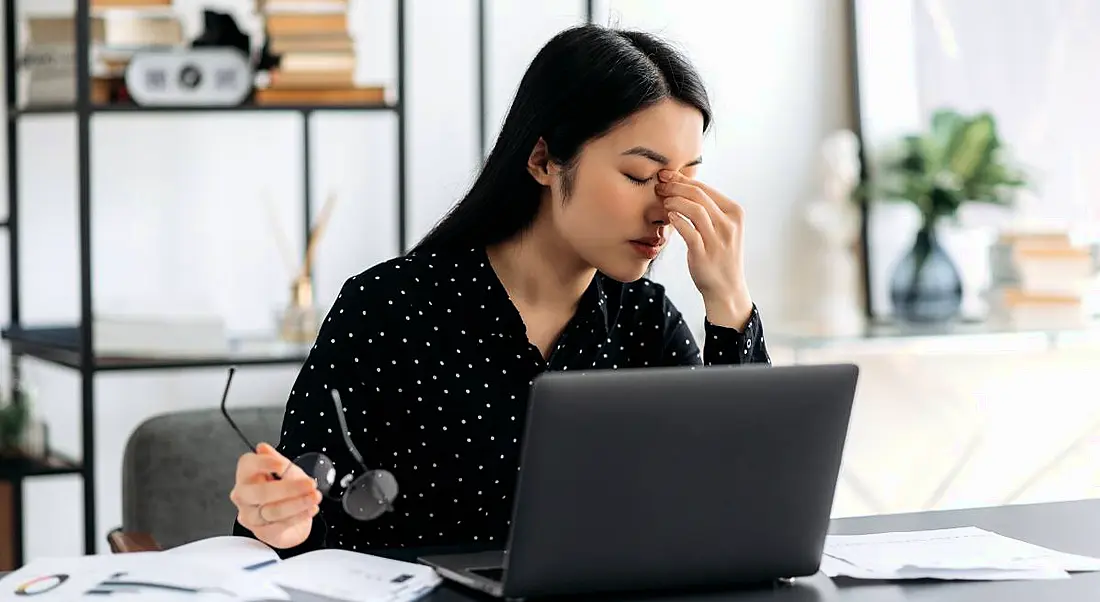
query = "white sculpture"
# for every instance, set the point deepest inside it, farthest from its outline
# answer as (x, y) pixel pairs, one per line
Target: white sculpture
(835, 218)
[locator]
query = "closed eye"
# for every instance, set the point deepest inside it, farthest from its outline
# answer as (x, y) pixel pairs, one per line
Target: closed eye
(638, 181)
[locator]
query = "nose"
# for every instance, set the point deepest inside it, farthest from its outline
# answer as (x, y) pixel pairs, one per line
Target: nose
(657, 214)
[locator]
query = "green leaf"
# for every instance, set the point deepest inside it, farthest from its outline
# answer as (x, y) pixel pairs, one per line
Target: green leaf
(959, 159)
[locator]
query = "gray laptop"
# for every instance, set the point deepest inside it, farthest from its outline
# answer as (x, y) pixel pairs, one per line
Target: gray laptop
(670, 478)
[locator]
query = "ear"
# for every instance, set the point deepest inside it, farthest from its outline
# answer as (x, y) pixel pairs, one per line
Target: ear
(539, 164)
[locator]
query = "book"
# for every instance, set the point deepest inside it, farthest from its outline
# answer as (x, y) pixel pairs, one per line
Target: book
(130, 335)
(289, 24)
(303, 6)
(339, 42)
(334, 96)
(223, 568)
(129, 3)
(330, 574)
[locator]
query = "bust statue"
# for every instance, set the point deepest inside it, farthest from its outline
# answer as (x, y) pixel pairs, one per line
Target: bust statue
(835, 218)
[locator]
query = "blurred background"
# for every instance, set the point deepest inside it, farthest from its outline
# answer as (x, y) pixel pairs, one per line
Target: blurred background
(920, 179)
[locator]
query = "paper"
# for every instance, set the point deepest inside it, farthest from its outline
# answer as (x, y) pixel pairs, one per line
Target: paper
(330, 574)
(223, 569)
(344, 575)
(242, 552)
(144, 576)
(965, 553)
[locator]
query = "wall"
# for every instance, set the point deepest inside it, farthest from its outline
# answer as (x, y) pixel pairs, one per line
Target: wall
(778, 80)
(965, 421)
(1023, 62)
(177, 197)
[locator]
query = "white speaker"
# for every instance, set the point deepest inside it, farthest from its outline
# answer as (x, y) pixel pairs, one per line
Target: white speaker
(189, 77)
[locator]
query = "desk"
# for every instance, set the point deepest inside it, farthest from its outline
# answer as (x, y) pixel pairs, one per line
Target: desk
(1072, 527)
(1065, 526)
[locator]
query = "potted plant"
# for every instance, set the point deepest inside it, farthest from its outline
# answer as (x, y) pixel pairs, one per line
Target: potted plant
(959, 160)
(15, 416)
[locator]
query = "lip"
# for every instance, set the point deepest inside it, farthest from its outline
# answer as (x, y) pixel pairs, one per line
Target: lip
(648, 248)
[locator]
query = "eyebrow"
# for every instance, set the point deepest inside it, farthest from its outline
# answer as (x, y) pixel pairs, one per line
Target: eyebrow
(655, 156)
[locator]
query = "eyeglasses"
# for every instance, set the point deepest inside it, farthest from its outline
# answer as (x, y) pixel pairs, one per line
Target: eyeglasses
(366, 497)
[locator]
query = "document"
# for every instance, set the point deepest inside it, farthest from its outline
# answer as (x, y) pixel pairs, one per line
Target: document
(964, 553)
(144, 576)
(223, 569)
(243, 553)
(338, 575)
(343, 575)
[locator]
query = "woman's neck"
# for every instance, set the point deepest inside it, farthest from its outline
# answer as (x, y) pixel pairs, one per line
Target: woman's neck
(539, 269)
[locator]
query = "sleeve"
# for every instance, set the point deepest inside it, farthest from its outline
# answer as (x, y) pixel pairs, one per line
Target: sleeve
(346, 348)
(722, 345)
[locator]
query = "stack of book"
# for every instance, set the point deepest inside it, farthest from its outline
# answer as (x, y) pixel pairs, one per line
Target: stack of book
(1054, 282)
(316, 54)
(49, 57)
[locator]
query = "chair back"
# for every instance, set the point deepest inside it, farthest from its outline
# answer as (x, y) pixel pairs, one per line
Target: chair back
(178, 470)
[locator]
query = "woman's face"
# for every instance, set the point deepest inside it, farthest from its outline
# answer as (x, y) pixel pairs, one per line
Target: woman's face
(612, 218)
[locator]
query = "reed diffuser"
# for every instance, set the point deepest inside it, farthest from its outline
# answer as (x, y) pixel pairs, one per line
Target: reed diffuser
(300, 320)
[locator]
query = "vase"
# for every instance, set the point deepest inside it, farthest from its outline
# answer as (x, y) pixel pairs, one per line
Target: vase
(300, 320)
(926, 286)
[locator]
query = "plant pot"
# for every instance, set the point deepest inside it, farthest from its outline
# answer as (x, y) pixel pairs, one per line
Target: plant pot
(926, 286)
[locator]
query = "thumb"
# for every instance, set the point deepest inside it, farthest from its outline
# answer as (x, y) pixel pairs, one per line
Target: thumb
(267, 450)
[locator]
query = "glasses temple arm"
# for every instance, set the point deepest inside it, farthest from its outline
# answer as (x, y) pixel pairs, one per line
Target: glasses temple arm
(225, 412)
(345, 432)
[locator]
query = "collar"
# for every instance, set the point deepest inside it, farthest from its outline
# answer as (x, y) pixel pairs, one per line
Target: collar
(593, 304)
(592, 307)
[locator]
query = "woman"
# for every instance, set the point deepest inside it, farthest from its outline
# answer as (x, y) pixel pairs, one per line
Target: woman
(540, 267)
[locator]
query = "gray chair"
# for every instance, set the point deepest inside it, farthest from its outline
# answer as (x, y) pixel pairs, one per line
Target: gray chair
(177, 471)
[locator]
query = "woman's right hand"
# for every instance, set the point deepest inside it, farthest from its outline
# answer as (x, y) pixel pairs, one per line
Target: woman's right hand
(279, 512)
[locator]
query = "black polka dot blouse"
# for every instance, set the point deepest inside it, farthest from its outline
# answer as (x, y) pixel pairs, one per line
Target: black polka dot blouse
(433, 366)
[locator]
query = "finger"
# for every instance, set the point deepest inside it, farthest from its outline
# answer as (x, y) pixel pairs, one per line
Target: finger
(289, 470)
(259, 526)
(694, 193)
(255, 468)
(724, 203)
(699, 216)
(688, 232)
(287, 510)
(270, 492)
(303, 516)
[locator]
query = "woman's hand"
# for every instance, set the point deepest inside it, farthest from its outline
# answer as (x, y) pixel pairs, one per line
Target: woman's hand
(714, 241)
(279, 512)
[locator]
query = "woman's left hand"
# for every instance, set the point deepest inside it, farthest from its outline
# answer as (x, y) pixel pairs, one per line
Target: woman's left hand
(714, 242)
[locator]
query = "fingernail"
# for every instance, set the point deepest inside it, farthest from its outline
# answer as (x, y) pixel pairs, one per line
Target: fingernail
(664, 175)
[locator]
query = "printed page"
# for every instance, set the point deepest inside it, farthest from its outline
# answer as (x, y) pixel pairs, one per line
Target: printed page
(243, 552)
(950, 549)
(835, 567)
(344, 575)
(146, 576)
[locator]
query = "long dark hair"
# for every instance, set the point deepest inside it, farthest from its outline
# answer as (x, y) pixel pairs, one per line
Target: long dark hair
(582, 83)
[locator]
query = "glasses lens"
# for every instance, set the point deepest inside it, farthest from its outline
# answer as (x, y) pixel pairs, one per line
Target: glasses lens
(320, 468)
(371, 495)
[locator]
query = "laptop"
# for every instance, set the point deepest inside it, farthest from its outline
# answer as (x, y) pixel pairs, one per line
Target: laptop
(669, 478)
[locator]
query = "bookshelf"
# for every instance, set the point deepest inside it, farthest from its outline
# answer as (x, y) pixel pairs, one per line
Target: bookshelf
(71, 345)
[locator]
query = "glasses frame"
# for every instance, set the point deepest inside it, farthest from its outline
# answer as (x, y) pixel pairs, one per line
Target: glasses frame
(386, 501)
